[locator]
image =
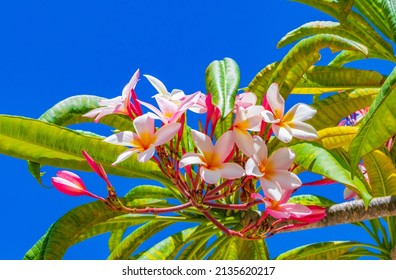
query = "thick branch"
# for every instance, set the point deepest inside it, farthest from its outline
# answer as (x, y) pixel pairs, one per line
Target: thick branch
(354, 211)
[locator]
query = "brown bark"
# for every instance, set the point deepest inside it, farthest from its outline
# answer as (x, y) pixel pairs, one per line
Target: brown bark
(354, 211)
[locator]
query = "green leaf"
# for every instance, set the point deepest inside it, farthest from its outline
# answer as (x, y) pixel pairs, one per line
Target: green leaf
(222, 82)
(194, 248)
(169, 247)
(389, 8)
(70, 111)
(331, 110)
(260, 82)
(34, 169)
(372, 132)
(38, 249)
(321, 79)
(148, 191)
(336, 137)
(373, 11)
(332, 250)
(381, 172)
(223, 247)
(64, 232)
(306, 53)
(52, 145)
(315, 27)
(311, 200)
(319, 160)
(115, 238)
(136, 238)
(349, 56)
(335, 8)
(252, 249)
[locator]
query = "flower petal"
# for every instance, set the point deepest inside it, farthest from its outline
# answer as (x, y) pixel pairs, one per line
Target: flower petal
(157, 84)
(244, 141)
(123, 156)
(271, 189)
(275, 100)
(269, 117)
(72, 177)
(282, 132)
(302, 130)
(210, 176)
(190, 158)
(224, 146)
(231, 170)
(146, 154)
(203, 143)
(166, 133)
(130, 85)
(261, 151)
(125, 138)
(144, 126)
(285, 179)
(252, 169)
(67, 187)
(281, 159)
(296, 210)
(299, 112)
(96, 167)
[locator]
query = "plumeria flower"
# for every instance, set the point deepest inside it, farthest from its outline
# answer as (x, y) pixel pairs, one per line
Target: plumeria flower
(175, 96)
(273, 172)
(212, 158)
(283, 210)
(120, 104)
(71, 184)
(291, 124)
(245, 100)
(246, 119)
(144, 140)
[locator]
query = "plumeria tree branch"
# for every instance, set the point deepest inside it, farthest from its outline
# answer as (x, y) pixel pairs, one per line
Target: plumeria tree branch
(352, 212)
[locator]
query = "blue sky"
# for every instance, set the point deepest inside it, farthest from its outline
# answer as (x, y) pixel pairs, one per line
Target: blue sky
(51, 50)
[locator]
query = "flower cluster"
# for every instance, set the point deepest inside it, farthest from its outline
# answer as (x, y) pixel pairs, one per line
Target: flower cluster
(211, 169)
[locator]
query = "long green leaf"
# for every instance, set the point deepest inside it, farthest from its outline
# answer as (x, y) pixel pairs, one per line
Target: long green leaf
(115, 238)
(136, 238)
(379, 124)
(304, 54)
(169, 247)
(49, 144)
(336, 137)
(373, 11)
(321, 79)
(336, 9)
(315, 27)
(389, 8)
(70, 111)
(332, 250)
(317, 159)
(260, 82)
(252, 249)
(222, 82)
(381, 172)
(148, 191)
(349, 56)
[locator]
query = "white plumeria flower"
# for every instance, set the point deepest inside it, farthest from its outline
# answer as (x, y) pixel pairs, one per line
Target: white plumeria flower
(273, 172)
(291, 124)
(212, 158)
(144, 140)
(117, 104)
(245, 99)
(175, 96)
(246, 119)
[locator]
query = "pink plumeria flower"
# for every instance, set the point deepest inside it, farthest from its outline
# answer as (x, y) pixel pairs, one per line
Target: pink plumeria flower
(291, 124)
(212, 157)
(97, 167)
(273, 172)
(245, 100)
(144, 140)
(246, 119)
(291, 211)
(71, 184)
(169, 111)
(175, 96)
(120, 104)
